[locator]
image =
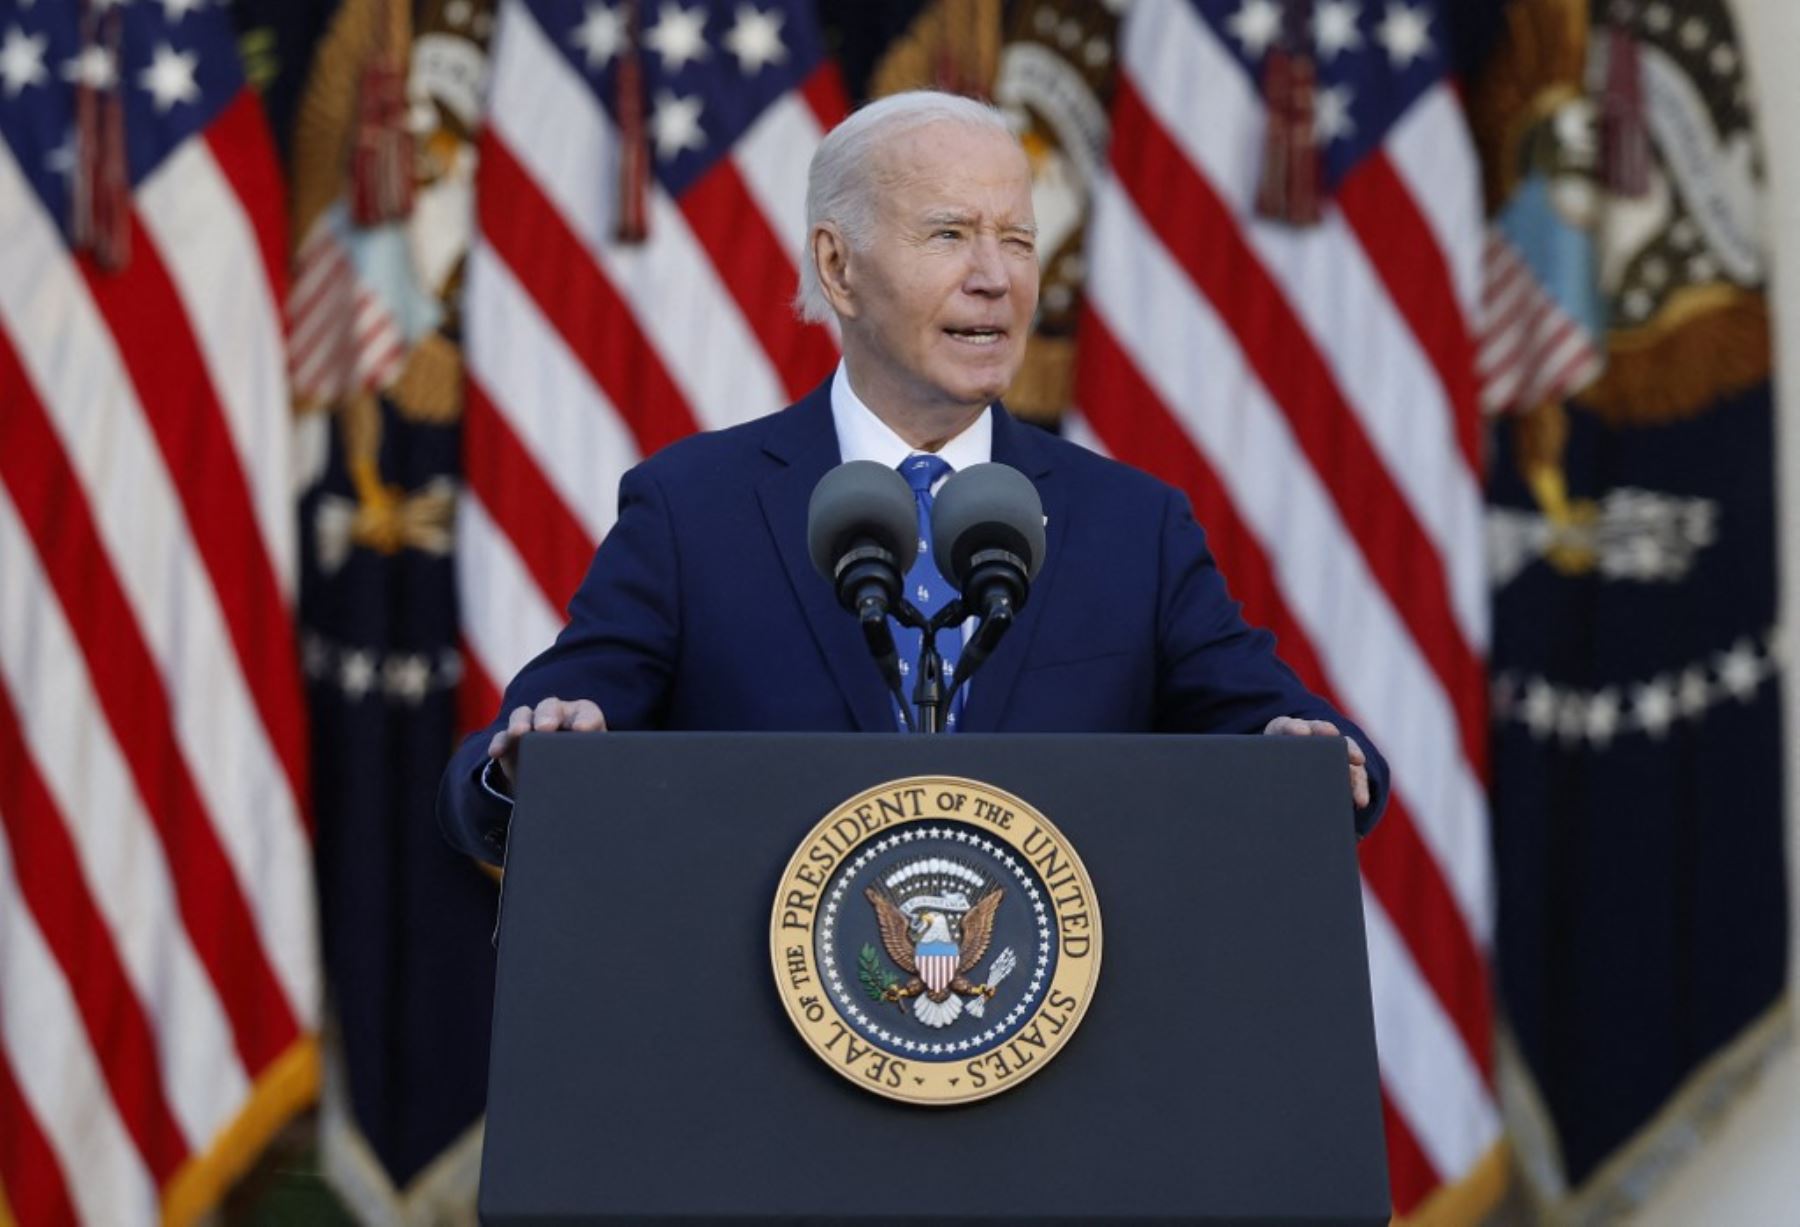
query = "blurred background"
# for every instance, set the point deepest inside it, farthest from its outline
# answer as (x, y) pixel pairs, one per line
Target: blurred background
(328, 326)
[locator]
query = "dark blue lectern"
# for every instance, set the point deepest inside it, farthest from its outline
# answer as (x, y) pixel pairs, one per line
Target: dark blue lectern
(644, 1070)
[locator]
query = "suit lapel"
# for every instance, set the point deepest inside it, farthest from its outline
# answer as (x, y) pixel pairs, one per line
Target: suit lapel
(803, 439)
(990, 690)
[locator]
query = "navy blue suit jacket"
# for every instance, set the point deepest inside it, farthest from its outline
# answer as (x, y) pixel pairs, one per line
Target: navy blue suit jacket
(701, 610)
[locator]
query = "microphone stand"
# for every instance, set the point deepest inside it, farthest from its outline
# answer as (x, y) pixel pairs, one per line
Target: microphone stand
(928, 689)
(929, 695)
(998, 612)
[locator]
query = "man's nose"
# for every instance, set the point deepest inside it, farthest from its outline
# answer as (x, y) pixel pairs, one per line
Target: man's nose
(987, 268)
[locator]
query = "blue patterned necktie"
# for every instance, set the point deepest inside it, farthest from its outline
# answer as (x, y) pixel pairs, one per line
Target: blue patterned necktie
(926, 588)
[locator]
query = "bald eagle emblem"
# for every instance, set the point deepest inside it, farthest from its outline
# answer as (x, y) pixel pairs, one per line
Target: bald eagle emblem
(936, 918)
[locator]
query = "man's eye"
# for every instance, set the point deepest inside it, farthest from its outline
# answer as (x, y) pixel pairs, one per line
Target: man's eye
(947, 234)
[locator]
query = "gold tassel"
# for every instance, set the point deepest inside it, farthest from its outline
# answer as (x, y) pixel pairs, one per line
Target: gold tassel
(1289, 188)
(381, 163)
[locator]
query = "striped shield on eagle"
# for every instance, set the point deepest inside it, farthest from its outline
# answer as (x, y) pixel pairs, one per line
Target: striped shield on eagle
(936, 919)
(936, 952)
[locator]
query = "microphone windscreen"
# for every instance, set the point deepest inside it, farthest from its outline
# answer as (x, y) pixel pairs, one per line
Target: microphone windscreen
(985, 507)
(861, 500)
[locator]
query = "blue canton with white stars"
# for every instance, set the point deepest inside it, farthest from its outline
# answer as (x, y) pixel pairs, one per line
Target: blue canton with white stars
(176, 69)
(710, 68)
(1373, 59)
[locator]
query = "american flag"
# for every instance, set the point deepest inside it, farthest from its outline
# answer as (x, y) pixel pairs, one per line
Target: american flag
(1314, 390)
(158, 967)
(585, 353)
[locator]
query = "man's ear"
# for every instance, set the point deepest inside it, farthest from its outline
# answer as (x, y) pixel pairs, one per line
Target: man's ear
(831, 258)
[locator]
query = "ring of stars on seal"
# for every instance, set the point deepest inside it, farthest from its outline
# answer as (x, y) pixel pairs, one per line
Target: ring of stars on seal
(935, 940)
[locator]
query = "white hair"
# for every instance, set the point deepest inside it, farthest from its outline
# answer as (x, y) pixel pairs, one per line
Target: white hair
(840, 183)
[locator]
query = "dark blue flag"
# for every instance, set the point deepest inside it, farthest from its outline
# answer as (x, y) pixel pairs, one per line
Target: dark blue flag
(383, 159)
(1638, 804)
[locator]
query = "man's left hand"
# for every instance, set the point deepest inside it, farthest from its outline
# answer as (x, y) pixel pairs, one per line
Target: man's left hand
(1294, 726)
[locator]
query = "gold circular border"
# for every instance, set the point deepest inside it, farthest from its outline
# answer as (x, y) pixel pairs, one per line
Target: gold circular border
(793, 924)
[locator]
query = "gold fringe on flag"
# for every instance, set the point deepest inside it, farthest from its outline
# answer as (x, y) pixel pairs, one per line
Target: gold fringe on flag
(288, 1084)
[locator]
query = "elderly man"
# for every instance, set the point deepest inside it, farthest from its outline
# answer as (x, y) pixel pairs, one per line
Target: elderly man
(701, 609)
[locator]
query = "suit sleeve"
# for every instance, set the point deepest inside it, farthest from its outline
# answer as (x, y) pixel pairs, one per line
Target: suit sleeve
(618, 649)
(1219, 674)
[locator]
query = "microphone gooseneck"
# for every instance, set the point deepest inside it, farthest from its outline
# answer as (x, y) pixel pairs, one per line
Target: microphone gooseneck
(988, 523)
(860, 526)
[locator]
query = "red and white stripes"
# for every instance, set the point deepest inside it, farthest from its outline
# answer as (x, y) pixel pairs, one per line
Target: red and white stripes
(158, 966)
(585, 355)
(1313, 390)
(1532, 351)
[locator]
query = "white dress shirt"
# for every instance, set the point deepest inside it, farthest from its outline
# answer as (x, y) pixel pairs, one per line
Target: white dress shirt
(863, 436)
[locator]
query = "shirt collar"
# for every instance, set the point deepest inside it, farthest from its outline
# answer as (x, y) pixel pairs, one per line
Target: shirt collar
(863, 436)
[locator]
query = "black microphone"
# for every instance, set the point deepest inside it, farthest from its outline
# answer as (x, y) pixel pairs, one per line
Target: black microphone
(987, 529)
(862, 532)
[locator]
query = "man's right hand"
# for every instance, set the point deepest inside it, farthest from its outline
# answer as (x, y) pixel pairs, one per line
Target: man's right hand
(576, 715)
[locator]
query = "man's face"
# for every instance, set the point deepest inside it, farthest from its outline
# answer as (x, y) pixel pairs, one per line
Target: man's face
(942, 295)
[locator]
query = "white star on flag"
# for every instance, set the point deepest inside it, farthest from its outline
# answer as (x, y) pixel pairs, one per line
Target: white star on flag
(1571, 717)
(1539, 707)
(93, 68)
(1654, 706)
(675, 124)
(756, 39)
(1331, 118)
(1603, 716)
(175, 10)
(1740, 672)
(22, 61)
(357, 674)
(600, 36)
(1694, 694)
(1256, 24)
(1405, 32)
(62, 159)
(407, 677)
(1334, 28)
(679, 35)
(170, 77)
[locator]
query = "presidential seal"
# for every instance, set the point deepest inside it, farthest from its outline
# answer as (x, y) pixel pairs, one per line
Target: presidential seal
(935, 940)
